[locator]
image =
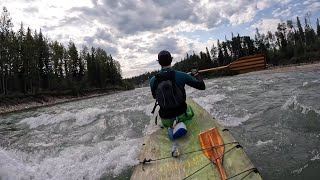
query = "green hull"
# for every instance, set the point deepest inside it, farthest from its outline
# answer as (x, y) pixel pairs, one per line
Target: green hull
(157, 145)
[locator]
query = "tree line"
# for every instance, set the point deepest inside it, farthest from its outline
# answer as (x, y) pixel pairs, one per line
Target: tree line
(31, 64)
(291, 43)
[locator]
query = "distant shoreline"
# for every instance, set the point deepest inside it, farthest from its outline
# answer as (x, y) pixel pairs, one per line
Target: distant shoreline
(47, 101)
(305, 65)
(50, 100)
(290, 67)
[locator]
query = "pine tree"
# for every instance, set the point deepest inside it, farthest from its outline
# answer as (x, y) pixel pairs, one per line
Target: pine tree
(5, 28)
(15, 62)
(220, 55)
(57, 58)
(301, 33)
(74, 59)
(227, 57)
(318, 28)
(249, 48)
(28, 62)
(214, 53)
(309, 33)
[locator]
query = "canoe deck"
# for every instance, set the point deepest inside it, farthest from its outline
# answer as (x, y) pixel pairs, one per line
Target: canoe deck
(157, 146)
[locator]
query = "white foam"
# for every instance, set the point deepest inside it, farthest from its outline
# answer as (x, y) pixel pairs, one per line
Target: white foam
(298, 171)
(78, 162)
(12, 166)
(152, 127)
(82, 117)
(262, 143)
(210, 99)
(190, 90)
(40, 144)
(289, 102)
(229, 120)
(316, 155)
(208, 103)
(292, 103)
(87, 116)
(144, 108)
(45, 119)
(304, 84)
(211, 81)
(117, 121)
(231, 89)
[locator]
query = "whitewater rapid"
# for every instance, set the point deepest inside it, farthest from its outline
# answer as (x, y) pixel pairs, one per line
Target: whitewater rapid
(275, 116)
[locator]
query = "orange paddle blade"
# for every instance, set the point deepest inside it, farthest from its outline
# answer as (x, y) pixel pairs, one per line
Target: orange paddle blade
(209, 139)
(243, 65)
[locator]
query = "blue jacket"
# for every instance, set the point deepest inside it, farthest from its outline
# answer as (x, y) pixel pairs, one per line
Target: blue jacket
(182, 79)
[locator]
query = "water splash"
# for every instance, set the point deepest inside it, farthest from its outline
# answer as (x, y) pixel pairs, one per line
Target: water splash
(292, 103)
(262, 143)
(77, 162)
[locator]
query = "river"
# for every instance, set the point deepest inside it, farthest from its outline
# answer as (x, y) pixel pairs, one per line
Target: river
(274, 115)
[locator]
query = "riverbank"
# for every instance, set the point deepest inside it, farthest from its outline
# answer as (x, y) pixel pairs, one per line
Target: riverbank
(296, 67)
(16, 105)
(289, 68)
(11, 105)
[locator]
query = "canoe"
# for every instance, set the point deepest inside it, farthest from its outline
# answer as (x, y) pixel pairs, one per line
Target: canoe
(195, 160)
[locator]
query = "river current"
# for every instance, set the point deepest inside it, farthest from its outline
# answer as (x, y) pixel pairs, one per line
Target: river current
(274, 115)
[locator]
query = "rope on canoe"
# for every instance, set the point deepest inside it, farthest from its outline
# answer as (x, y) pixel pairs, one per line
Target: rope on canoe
(237, 146)
(255, 170)
(251, 170)
(213, 147)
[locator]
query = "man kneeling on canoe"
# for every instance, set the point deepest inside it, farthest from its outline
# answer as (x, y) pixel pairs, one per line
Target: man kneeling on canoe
(167, 88)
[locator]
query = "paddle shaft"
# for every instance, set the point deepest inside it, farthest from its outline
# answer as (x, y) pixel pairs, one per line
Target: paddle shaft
(213, 69)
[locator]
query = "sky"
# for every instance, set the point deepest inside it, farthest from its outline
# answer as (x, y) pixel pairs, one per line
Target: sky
(135, 31)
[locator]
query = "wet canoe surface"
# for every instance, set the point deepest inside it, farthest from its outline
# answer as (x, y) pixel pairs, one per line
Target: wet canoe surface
(157, 145)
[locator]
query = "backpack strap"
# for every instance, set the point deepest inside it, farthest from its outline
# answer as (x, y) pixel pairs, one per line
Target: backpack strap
(155, 85)
(154, 107)
(153, 110)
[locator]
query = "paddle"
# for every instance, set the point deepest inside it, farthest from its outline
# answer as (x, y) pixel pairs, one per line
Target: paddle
(212, 138)
(242, 65)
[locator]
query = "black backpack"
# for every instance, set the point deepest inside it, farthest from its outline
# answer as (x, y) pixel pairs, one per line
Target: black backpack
(170, 98)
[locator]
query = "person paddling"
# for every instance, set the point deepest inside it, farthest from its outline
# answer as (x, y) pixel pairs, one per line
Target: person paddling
(168, 88)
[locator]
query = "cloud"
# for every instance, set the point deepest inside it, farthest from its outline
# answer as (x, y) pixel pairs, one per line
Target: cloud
(165, 43)
(131, 17)
(110, 49)
(134, 31)
(313, 7)
(266, 25)
(263, 4)
(31, 9)
(95, 42)
(247, 16)
(282, 13)
(101, 35)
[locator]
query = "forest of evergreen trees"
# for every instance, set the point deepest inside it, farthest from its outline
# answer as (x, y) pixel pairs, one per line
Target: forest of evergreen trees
(31, 64)
(291, 43)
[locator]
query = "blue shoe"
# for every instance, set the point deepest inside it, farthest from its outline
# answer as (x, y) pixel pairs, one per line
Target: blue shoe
(179, 130)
